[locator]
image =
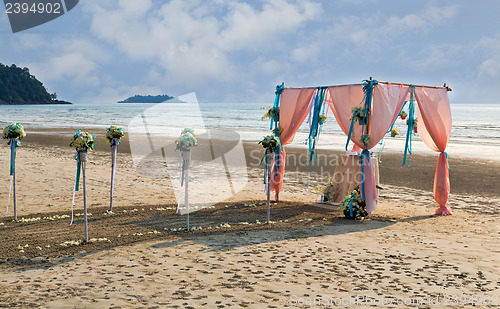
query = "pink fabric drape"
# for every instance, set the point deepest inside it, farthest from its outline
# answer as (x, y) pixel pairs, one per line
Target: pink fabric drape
(387, 102)
(294, 108)
(434, 129)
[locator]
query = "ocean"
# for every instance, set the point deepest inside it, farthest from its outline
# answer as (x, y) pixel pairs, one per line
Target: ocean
(475, 131)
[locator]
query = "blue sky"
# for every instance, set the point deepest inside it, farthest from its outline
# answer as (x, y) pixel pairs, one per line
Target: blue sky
(237, 51)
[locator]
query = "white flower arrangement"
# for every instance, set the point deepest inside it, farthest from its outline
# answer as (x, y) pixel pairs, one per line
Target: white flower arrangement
(83, 141)
(14, 130)
(113, 132)
(186, 140)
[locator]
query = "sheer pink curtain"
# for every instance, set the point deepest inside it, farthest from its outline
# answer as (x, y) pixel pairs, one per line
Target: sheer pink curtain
(294, 108)
(387, 102)
(434, 130)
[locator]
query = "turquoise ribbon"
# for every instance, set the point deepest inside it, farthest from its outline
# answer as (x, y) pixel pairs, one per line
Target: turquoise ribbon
(411, 126)
(316, 125)
(279, 150)
(78, 169)
(275, 120)
(13, 143)
(368, 90)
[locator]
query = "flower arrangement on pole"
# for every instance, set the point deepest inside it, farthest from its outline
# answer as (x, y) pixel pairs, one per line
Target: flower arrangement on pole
(82, 142)
(113, 136)
(186, 140)
(14, 132)
(184, 143)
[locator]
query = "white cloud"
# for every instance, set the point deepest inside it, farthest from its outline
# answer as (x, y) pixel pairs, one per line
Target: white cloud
(190, 43)
(376, 32)
(490, 65)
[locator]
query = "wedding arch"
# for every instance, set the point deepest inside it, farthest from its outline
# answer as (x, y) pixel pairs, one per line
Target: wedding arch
(366, 112)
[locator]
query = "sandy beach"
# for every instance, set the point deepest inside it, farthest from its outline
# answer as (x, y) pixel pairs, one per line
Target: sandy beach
(309, 257)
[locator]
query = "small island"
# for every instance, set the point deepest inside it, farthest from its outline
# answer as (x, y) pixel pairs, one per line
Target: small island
(18, 86)
(147, 99)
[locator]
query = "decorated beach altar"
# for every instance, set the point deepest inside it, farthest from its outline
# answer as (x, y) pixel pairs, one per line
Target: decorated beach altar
(366, 112)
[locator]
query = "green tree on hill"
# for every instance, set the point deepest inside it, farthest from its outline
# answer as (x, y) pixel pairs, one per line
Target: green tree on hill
(17, 85)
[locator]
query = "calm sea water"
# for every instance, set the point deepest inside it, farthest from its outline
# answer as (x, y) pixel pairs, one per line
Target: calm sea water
(472, 124)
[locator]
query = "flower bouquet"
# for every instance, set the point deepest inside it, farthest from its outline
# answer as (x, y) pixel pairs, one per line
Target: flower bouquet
(361, 114)
(365, 139)
(322, 119)
(278, 131)
(186, 140)
(403, 114)
(83, 141)
(14, 130)
(353, 206)
(394, 132)
(113, 132)
(272, 113)
(327, 192)
(270, 142)
(414, 124)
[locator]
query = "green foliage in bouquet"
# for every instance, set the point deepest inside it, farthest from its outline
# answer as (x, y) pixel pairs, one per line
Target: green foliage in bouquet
(322, 119)
(365, 139)
(360, 114)
(186, 140)
(83, 141)
(14, 130)
(270, 142)
(327, 191)
(272, 113)
(353, 197)
(113, 132)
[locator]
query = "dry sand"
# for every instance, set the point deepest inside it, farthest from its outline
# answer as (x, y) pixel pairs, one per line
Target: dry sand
(402, 253)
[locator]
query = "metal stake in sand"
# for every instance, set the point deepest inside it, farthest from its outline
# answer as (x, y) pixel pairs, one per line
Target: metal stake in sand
(269, 156)
(186, 158)
(83, 160)
(114, 144)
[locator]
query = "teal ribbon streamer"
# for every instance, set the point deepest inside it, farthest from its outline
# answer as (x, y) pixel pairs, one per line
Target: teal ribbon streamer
(316, 126)
(275, 120)
(368, 90)
(277, 155)
(78, 170)
(447, 157)
(411, 127)
(275, 123)
(13, 143)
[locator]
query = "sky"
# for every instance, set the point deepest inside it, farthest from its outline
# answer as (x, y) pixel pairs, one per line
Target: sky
(103, 51)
